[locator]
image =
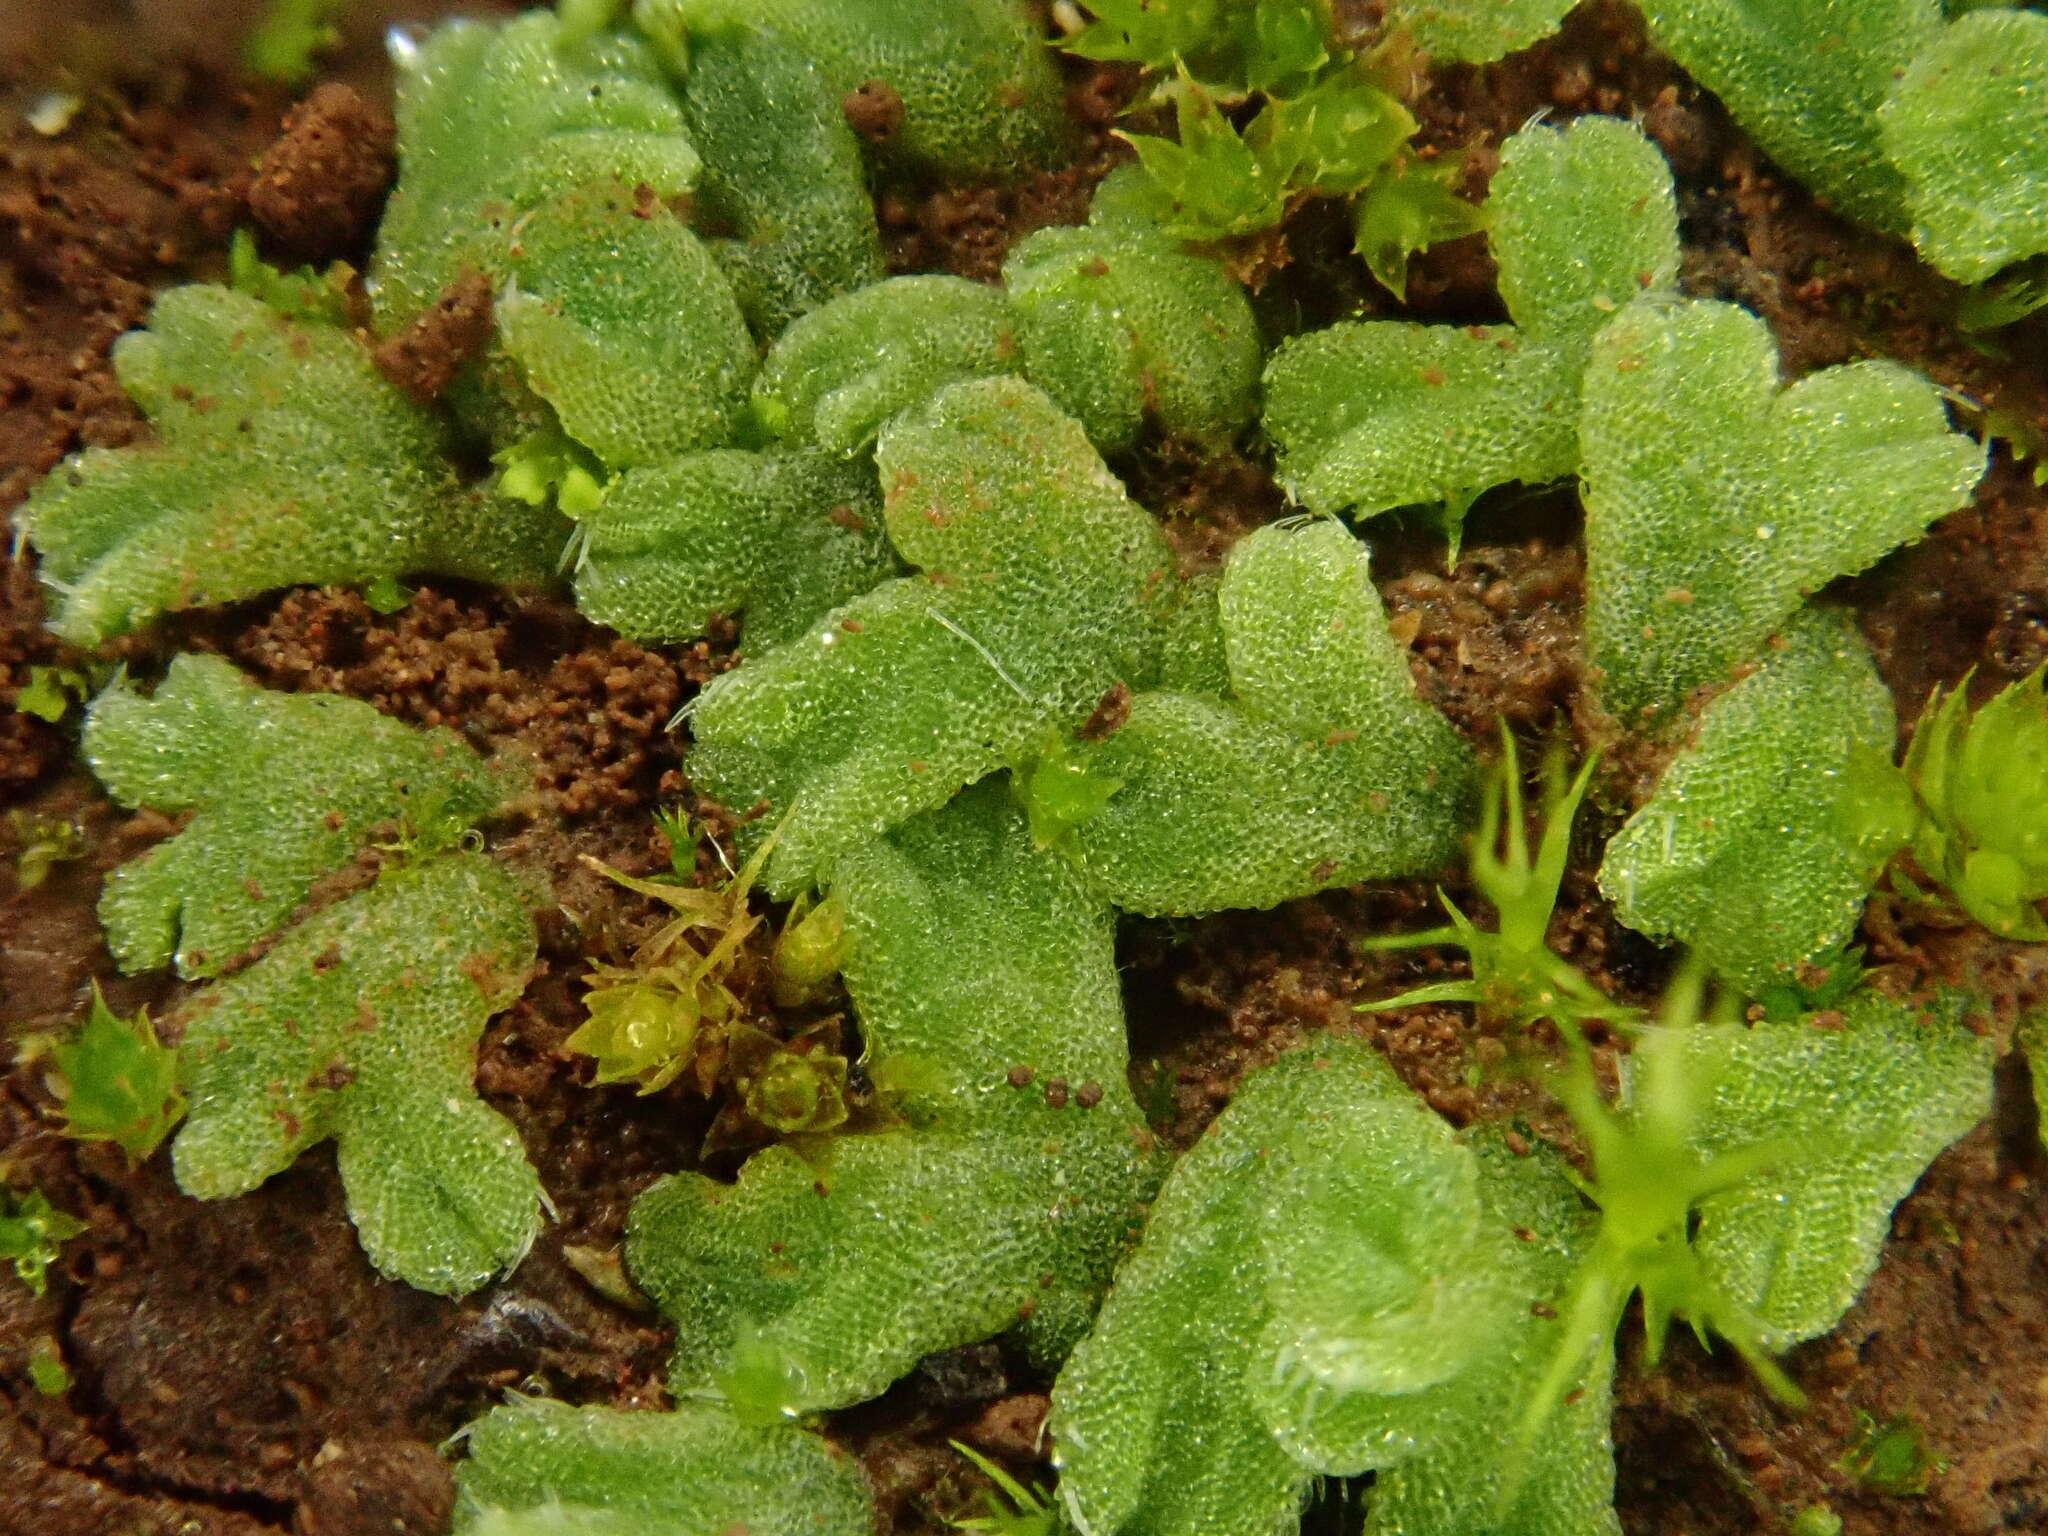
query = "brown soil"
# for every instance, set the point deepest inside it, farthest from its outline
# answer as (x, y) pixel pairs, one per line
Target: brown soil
(239, 1369)
(320, 185)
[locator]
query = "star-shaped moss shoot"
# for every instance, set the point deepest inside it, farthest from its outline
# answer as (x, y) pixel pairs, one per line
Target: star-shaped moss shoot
(1515, 973)
(1314, 765)
(117, 1081)
(542, 1468)
(979, 91)
(1648, 1179)
(284, 789)
(1747, 1180)
(281, 456)
(1980, 814)
(1041, 585)
(1264, 45)
(1373, 415)
(361, 1024)
(782, 537)
(677, 1010)
(985, 981)
(1966, 126)
(1715, 500)
(1216, 181)
(1749, 851)
(1331, 1283)
(783, 170)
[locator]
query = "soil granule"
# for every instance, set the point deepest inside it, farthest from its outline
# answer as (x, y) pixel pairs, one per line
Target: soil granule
(321, 184)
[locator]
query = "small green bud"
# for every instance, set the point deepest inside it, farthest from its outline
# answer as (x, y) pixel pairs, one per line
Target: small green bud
(31, 1232)
(640, 1031)
(1891, 1456)
(1982, 784)
(50, 693)
(1059, 792)
(799, 1095)
(387, 594)
(551, 465)
(809, 951)
(759, 1383)
(47, 1371)
(44, 842)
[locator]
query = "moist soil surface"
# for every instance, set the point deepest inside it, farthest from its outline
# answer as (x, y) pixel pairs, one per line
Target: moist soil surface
(237, 1367)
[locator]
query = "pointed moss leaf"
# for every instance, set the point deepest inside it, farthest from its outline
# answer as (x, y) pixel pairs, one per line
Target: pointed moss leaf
(117, 1081)
(1747, 853)
(1860, 1102)
(493, 121)
(1217, 182)
(284, 787)
(1409, 207)
(1331, 138)
(1248, 45)
(1209, 183)
(979, 91)
(1286, 1315)
(1715, 500)
(969, 955)
(839, 375)
(281, 457)
(544, 1466)
(361, 1024)
(1321, 767)
(1476, 31)
(587, 272)
(1968, 125)
(1119, 328)
(1380, 414)
(1042, 586)
(783, 170)
(1806, 79)
(784, 537)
